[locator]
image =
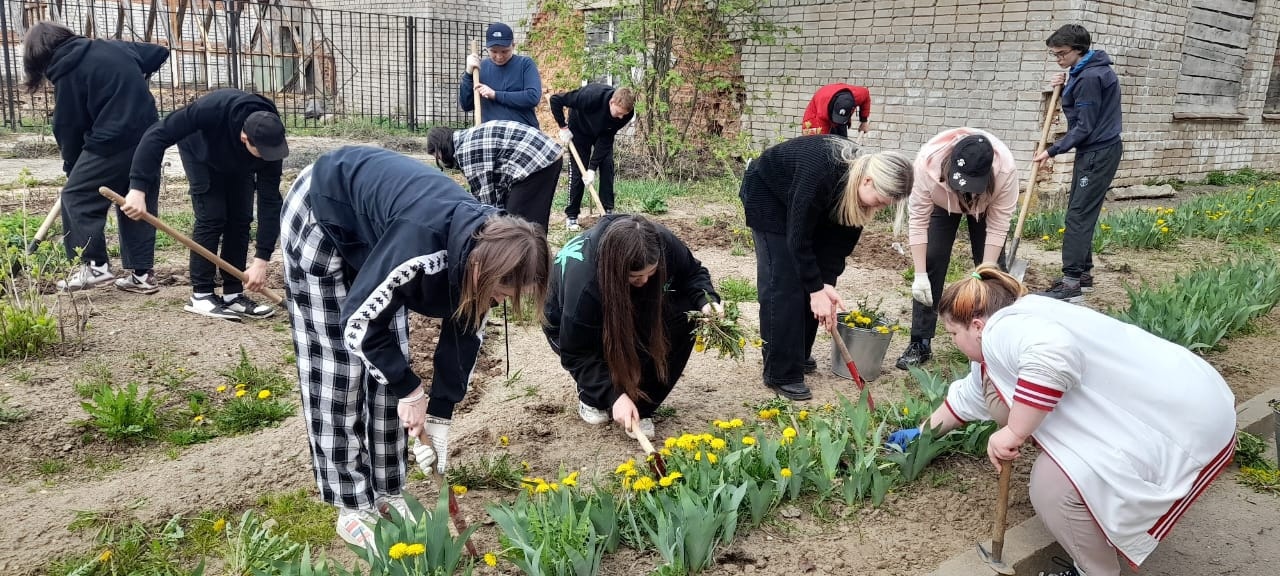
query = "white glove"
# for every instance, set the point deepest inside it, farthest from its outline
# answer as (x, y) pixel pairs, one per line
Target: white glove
(588, 177)
(921, 290)
(437, 452)
(565, 135)
(473, 62)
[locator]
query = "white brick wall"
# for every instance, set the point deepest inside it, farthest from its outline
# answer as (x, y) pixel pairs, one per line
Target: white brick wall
(934, 64)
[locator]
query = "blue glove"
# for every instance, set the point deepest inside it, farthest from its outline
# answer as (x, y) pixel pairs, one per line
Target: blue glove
(902, 438)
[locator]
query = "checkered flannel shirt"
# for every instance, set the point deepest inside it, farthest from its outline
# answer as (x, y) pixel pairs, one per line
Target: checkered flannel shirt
(497, 154)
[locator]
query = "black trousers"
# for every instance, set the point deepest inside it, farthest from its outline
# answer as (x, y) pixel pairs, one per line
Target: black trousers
(1090, 178)
(679, 334)
(223, 205)
(943, 226)
(84, 213)
(531, 198)
(787, 326)
(604, 177)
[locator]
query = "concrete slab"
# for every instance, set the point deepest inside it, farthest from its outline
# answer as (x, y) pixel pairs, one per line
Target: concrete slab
(1230, 530)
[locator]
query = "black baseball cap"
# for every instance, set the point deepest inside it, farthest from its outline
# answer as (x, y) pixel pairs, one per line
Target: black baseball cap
(498, 34)
(266, 133)
(969, 170)
(842, 107)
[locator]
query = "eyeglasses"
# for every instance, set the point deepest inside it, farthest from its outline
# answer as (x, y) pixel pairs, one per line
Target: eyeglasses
(1059, 54)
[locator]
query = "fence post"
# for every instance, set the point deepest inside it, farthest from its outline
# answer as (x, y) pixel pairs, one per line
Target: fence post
(11, 117)
(233, 42)
(411, 28)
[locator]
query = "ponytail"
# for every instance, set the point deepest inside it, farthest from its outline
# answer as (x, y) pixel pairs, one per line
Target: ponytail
(979, 295)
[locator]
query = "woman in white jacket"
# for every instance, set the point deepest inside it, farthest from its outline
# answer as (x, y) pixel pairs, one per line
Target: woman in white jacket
(1132, 427)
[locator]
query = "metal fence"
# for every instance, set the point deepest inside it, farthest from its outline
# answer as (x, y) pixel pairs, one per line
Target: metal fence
(319, 65)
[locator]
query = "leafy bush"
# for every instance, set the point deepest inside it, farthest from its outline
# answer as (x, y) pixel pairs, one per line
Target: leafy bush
(1201, 308)
(734, 289)
(119, 413)
(1244, 175)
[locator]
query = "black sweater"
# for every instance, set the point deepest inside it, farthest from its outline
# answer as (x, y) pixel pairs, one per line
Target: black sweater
(209, 130)
(404, 231)
(794, 189)
(591, 118)
(101, 100)
(575, 312)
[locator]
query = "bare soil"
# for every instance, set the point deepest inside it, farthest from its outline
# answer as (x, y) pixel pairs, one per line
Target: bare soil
(132, 335)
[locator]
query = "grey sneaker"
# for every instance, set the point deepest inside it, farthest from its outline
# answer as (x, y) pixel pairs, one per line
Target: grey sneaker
(87, 276)
(212, 307)
(1066, 289)
(572, 225)
(592, 416)
(145, 284)
(245, 306)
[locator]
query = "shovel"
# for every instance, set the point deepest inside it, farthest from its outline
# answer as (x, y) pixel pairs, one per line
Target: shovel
(656, 463)
(455, 512)
(1018, 268)
(582, 169)
(853, 370)
(189, 243)
(994, 557)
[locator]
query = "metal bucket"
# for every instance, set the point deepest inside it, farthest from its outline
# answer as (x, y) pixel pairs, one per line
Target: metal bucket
(866, 346)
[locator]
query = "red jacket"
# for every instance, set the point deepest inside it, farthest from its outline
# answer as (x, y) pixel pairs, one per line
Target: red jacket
(816, 116)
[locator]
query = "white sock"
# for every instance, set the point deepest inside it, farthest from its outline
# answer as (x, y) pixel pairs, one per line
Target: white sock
(229, 298)
(201, 294)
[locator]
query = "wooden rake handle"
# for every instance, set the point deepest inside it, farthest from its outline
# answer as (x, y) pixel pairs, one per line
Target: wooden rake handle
(1002, 511)
(1035, 170)
(189, 243)
(475, 80)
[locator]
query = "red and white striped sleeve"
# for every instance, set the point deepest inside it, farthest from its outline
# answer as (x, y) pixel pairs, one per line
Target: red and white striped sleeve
(1049, 364)
(965, 400)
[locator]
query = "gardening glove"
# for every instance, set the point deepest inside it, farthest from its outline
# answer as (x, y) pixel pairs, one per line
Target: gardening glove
(437, 451)
(565, 135)
(588, 177)
(473, 62)
(922, 290)
(902, 438)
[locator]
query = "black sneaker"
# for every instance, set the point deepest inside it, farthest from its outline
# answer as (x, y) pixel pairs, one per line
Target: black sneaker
(1086, 282)
(792, 391)
(917, 353)
(245, 306)
(1065, 289)
(1068, 568)
(810, 365)
(210, 305)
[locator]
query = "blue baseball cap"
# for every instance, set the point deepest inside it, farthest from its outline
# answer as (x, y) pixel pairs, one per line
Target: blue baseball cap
(498, 34)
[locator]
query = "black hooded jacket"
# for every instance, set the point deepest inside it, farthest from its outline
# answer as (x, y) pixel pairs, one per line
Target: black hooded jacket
(404, 231)
(591, 118)
(101, 100)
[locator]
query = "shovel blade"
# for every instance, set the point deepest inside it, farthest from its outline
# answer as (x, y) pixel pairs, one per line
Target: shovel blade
(996, 564)
(1018, 270)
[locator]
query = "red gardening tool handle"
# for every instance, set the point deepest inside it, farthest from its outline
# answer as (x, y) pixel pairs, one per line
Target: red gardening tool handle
(455, 512)
(853, 369)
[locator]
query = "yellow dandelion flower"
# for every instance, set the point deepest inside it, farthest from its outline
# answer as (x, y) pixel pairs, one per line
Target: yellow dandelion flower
(748, 441)
(490, 559)
(632, 473)
(736, 422)
(1045, 237)
(398, 550)
(786, 472)
(712, 458)
(804, 414)
(105, 556)
(758, 343)
(222, 388)
(882, 329)
(698, 456)
(669, 442)
(906, 411)
(789, 432)
(718, 444)
(1164, 229)
(219, 524)
(264, 394)
(503, 440)
(240, 385)
(555, 486)
(699, 347)
(665, 452)
(459, 489)
(524, 464)
(1160, 222)
(643, 484)
(828, 407)
(625, 467)
(541, 487)
(240, 393)
(1061, 230)
(198, 418)
(571, 479)
(415, 550)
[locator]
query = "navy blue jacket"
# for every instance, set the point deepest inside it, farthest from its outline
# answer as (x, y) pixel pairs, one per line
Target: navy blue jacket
(404, 231)
(517, 86)
(209, 130)
(101, 100)
(1091, 101)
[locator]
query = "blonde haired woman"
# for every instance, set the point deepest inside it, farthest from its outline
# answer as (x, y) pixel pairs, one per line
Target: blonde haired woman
(806, 201)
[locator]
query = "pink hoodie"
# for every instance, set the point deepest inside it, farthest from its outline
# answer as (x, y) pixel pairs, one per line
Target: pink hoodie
(931, 188)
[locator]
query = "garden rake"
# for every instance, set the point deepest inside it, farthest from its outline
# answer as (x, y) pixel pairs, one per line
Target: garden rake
(189, 243)
(455, 511)
(656, 463)
(853, 370)
(994, 557)
(582, 169)
(1018, 268)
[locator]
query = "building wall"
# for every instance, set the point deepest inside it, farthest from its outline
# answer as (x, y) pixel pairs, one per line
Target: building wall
(933, 64)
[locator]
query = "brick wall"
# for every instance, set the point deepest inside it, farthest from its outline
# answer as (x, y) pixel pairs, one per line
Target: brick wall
(933, 64)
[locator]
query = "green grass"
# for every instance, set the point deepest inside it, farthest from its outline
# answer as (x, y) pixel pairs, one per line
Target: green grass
(306, 519)
(10, 415)
(487, 472)
(734, 289)
(1243, 176)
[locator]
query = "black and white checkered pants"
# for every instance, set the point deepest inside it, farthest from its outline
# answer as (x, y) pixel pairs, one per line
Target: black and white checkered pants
(358, 447)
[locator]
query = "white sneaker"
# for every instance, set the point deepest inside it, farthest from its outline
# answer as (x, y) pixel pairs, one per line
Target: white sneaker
(245, 306)
(145, 284)
(572, 225)
(591, 415)
(385, 503)
(646, 426)
(87, 276)
(355, 526)
(211, 306)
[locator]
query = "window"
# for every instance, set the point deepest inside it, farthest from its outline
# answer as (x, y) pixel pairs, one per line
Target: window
(1213, 57)
(1272, 104)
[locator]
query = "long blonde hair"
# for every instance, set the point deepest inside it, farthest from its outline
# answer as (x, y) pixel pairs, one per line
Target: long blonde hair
(891, 174)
